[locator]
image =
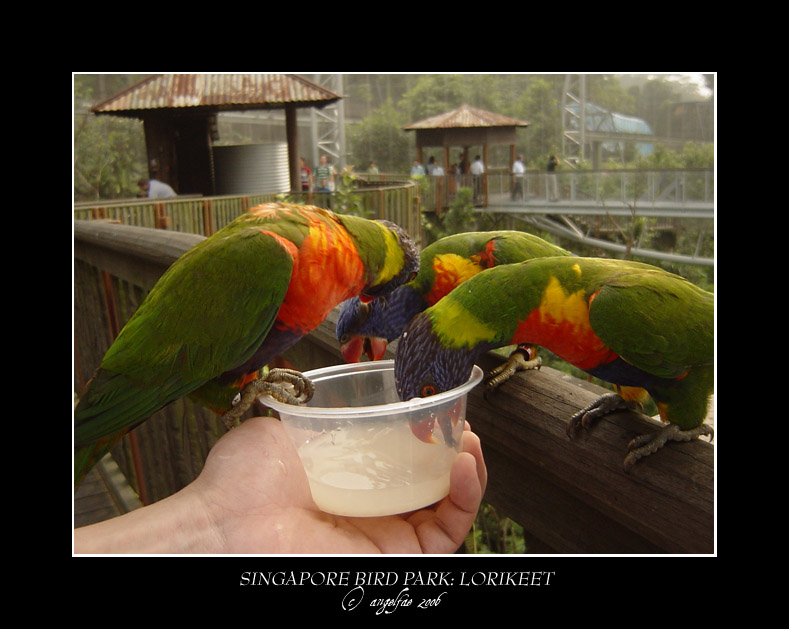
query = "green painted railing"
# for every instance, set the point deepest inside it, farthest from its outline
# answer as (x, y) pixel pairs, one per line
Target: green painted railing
(397, 201)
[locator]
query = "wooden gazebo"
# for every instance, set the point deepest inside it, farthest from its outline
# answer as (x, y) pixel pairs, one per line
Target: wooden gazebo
(179, 112)
(465, 127)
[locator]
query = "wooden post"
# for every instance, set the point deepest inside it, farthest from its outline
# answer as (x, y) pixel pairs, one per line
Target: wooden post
(161, 220)
(208, 217)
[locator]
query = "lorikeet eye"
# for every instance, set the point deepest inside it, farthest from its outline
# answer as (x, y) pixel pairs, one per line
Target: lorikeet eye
(428, 390)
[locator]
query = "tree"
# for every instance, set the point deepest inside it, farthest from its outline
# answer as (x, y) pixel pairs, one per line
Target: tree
(380, 138)
(538, 103)
(431, 95)
(109, 152)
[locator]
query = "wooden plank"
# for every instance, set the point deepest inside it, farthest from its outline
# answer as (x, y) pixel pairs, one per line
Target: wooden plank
(664, 504)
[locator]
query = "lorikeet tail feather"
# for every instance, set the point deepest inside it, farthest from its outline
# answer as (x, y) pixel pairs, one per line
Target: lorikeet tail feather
(85, 457)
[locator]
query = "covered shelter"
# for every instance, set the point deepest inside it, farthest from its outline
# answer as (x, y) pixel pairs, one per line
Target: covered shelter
(464, 127)
(179, 112)
(603, 130)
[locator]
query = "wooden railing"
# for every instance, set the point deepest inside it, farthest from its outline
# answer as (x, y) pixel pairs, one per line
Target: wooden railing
(571, 496)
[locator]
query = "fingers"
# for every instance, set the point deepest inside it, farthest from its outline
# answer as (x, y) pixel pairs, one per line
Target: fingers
(473, 446)
(444, 530)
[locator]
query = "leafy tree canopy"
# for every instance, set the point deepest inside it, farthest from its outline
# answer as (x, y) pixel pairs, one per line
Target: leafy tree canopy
(109, 152)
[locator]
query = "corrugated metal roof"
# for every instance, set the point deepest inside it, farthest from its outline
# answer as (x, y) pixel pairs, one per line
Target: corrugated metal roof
(466, 116)
(217, 92)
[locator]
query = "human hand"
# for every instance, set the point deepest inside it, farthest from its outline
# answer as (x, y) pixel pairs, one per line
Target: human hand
(253, 497)
(257, 490)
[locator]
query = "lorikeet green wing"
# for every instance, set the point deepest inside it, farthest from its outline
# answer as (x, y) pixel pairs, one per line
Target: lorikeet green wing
(633, 325)
(228, 306)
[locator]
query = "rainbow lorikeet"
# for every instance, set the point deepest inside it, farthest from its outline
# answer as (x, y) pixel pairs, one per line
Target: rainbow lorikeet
(445, 264)
(228, 306)
(633, 325)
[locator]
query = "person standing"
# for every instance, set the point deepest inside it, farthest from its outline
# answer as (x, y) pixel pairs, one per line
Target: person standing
(324, 176)
(477, 170)
(306, 176)
(518, 169)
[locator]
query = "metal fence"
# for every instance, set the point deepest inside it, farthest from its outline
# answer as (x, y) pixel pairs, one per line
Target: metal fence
(628, 186)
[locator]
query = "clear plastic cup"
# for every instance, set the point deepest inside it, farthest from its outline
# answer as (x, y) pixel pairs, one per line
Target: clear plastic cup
(357, 445)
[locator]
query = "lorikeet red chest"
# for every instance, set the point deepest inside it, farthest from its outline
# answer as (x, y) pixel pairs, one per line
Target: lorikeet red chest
(326, 270)
(561, 323)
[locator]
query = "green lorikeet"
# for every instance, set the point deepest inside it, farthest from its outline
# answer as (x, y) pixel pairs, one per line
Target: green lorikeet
(633, 325)
(445, 264)
(230, 305)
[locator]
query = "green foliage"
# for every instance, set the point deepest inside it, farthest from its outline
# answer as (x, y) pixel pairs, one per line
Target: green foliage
(345, 201)
(109, 158)
(493, 533)
(109, 152)
(460, 217)
(432, 94)
(692, 155)
(380, 138)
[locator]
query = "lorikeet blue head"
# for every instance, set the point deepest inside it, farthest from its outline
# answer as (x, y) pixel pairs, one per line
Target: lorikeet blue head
(369, 327)
(425, 366)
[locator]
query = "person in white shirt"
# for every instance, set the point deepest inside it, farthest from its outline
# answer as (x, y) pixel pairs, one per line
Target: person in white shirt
(517, 178)
(155, 189)
(477, 170)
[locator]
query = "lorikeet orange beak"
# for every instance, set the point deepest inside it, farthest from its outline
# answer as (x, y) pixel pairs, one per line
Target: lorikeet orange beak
(374, 347)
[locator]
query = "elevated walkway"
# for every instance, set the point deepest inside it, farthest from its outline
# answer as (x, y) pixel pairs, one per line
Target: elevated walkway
(587, 207)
